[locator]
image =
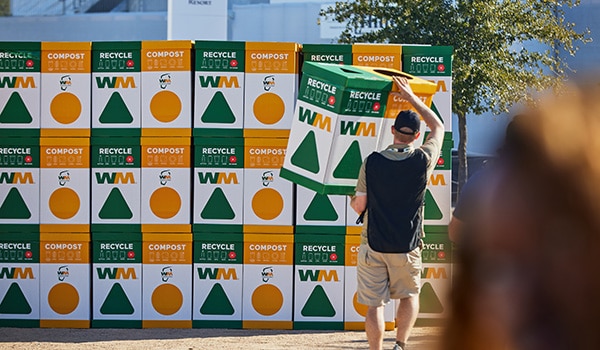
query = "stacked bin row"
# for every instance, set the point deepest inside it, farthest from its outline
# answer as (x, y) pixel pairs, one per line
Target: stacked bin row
(435, 64)
(97, 184)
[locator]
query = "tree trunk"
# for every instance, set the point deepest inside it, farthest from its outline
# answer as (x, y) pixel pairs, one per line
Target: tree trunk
(463, 170)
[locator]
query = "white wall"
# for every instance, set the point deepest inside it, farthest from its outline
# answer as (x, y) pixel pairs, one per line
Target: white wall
(291, 22)
(124, 26)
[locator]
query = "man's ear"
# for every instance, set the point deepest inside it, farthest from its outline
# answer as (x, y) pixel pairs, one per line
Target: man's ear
(417, 135)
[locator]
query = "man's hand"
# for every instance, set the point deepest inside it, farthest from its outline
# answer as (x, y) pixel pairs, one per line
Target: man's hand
(404, 89)
(432, 121)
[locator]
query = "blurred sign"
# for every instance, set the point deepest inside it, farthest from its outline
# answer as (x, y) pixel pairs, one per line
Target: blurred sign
(331, 29)
(197, 20)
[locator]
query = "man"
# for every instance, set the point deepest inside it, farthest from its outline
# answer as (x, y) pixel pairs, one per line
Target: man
(391, 188)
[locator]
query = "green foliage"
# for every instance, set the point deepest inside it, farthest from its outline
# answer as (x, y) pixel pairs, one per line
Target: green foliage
(504, 51)
(4, 7)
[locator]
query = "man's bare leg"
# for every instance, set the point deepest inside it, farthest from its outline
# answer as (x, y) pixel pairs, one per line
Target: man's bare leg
(406, 315)
(375, 326)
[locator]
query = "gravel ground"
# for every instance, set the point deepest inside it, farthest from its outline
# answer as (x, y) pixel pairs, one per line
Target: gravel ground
(423, 338)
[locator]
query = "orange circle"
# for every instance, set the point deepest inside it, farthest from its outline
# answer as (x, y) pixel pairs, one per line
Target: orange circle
(267, 204)
(167, 299)
(63, 298)
(64, 203)
(267, 299)
(65, 108)
(360, 308)
(165, 106)
(268, 108)
(165, 202)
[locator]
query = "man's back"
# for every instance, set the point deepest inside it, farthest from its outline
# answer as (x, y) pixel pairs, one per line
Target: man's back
(396, 191)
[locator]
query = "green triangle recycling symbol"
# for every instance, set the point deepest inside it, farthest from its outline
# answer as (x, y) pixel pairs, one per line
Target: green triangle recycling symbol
(217, 302)
(430, 303)
(14, 301)
(320, 209)
(116, 111)
(15, 111)
(14, 206)
(349, 165)
(116, 302)
(432, 210)
(306, 156)
(218, 110)
(217, 207)
(318, 304)
(115, 206)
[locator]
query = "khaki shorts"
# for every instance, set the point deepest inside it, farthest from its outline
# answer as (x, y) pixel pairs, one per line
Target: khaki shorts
(382, 276)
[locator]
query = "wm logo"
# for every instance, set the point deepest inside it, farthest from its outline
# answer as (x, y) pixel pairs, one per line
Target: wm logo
(441, 86)
(357, 128)
(217, 274)
(315, 119)
(116, 273)
(13, 178)
(218, 178)
(318, 275)
(218, 82)
(437, 180)
(115, 82)
(16, 273)
(434, 273)
(115, 178)
(17, 82)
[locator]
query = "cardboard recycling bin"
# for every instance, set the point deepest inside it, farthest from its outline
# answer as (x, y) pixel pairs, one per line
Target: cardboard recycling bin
(66, 89)
(436, 277)
(336, 125)
(319, 282)
(218, 184)
(65, 280)
(377, 55)
(438, 198)
(268, 198)
(116, 88)
(116, 280)
(327, 53)
(20, 88)
(218, 277)
(270, 88)
(433, 63)
(116, 184)
(219, 88)
(65, 185)
(167, 282)
(268, 280)
(20, 279)
(19, 184)
(319, 213)
(166, 184)
(166, 88)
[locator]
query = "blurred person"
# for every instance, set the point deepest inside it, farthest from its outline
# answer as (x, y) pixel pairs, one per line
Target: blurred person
(468, 205)
(528, 277)
(390, 194)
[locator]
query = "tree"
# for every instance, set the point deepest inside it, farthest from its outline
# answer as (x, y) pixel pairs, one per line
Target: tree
(4, 7)
(497, 57)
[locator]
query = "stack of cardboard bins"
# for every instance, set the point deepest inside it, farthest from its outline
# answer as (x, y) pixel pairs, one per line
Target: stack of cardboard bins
(105, 222)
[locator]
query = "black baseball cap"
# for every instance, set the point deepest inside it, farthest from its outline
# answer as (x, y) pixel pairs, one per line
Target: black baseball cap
(407, 119)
